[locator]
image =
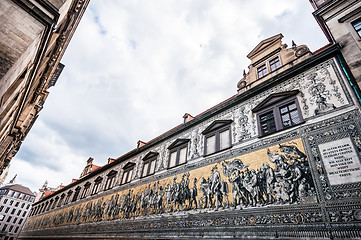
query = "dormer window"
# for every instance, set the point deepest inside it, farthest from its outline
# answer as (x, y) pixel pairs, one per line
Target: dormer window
(217, 136)
(262, 71)
(278, 111)
(274, 64)
(128, 172)
(178, 152)
(149, 163)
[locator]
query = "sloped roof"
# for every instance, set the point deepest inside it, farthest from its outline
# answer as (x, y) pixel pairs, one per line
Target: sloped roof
(264, 44)
(18, 188)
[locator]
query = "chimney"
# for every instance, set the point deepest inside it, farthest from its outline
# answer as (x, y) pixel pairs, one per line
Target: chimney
(187, 117)
(140, 144)
(110, 160)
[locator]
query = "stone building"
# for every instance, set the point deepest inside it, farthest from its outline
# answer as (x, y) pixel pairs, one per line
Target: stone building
(341, 22)
(281, 158)
(15, 204)
(34, 36)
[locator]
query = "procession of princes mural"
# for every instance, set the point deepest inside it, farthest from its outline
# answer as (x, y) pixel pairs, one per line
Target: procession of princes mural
(285, 178)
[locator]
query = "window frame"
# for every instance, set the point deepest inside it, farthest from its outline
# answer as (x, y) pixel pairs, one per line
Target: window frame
(67, 197)
(262, 71)
(76, 194)
(357, 22)
(96, 187)
(86, 189)
(272, 62)
(215, 129)
(61, 200)
(275, 108)
(109, 183)
(147, 161)
(177, 146)
(126, 177)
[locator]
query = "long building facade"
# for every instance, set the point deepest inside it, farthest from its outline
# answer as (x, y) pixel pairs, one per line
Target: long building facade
(33, 39)
(280, 159)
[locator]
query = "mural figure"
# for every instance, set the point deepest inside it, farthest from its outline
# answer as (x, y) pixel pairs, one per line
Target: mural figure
(288, 181)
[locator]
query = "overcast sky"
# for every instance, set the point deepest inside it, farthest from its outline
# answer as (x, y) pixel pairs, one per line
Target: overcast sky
(134, 67)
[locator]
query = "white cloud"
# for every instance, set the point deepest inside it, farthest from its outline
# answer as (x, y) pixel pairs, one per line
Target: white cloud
(134, 67)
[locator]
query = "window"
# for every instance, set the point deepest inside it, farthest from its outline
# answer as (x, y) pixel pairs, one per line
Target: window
(97, 183)
(278, 111)
(262, 71)
(4, 228)
(178, 152)
(49, 205)
(5, 200)
(17, 204)
(217, 136)
(127, 172)
(16, 229)
(274, 64)
(16, 194)
(15, 219)
(11, 202)
(22, 205)
(149, 162)
(86, 190)
(9, 218)
(55, 202)
(20, 221)
(24, 213)
(60, 201)
(76, 194)
(357, 26)
(110, 180)
(27, 207)
(11, 228)
(7, 209)
(67, 199)
(13, 211)
(289, 115)
(21, 196)
(267, 122)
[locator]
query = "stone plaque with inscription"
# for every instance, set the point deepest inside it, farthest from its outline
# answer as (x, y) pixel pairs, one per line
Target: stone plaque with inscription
(341, 161)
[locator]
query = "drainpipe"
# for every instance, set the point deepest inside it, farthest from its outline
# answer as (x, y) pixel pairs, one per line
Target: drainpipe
(354, 88)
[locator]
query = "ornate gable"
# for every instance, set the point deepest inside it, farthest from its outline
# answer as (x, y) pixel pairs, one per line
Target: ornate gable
(265, 44)
(216, 125)
(150, 155)
(129, 165)
(274, 98)
(111, 173)
(98, 179)
(178, 142)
